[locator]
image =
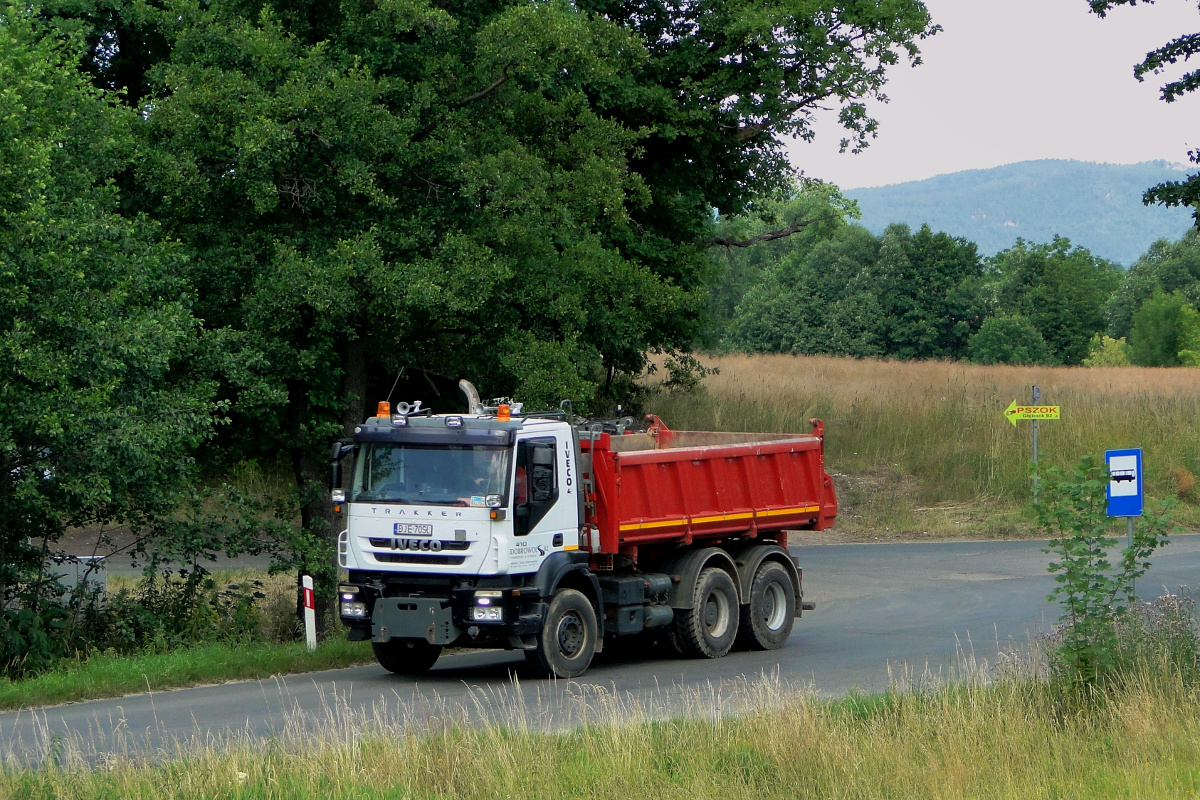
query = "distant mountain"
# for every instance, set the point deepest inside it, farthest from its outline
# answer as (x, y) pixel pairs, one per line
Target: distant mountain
(1097, 206)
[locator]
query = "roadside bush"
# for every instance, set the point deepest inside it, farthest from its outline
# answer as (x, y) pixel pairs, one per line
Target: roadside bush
(31, 636)
(1096, 596)
(1153, 642)
(1163, 635)
(165, 612)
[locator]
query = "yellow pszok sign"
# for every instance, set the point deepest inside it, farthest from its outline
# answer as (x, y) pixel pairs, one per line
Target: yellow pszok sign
(1015, 412)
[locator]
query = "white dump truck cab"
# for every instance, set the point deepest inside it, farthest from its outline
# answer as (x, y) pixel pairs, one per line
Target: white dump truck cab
(459, 530)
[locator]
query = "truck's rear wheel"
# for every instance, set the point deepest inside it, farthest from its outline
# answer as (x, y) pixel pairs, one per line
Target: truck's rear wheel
(406, 656)
(766, 621)
(709, 627)
(568, 639)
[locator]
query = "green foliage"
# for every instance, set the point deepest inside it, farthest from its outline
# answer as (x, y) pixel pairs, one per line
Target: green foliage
(1158, 326)
(1061, 291)
(98, 418)
(1105, 351)
(927, 288)
(1094, 594)
(821, 209)
(167, 613)
(814, 301)
(1188, 340)
(1167, 267)
(843, 291)
(1008, 340)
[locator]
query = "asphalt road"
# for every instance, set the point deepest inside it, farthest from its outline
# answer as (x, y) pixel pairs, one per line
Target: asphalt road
(885, 613)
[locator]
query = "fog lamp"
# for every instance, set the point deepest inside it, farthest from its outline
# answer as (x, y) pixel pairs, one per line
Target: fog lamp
(487, 614)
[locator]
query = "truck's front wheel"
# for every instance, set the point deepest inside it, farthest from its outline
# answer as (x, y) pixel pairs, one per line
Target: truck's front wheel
(709, 627)
(568, 639)
(406, 656)
(767, 620)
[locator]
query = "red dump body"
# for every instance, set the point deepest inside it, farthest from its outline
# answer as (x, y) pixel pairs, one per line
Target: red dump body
(669, 488)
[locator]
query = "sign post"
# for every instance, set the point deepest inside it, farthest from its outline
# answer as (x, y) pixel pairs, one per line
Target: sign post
(1036, 395)
(1125, 486)
(1032, 412)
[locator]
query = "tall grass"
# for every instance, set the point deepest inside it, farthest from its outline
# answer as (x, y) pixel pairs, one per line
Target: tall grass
(937, 429)
(1004, 740)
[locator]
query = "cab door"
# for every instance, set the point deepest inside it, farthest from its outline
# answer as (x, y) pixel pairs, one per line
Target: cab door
(545, 508)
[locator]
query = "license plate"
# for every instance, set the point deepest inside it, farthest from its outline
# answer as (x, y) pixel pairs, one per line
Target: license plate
(413, 529)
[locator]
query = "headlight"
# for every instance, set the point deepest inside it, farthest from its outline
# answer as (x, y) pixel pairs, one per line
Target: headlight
(354, 610)
(487, 614)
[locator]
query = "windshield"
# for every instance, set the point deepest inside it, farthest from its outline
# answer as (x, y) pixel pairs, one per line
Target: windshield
(454, 475)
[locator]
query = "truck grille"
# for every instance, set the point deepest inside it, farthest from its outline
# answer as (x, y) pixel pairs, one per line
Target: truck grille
(415, 558)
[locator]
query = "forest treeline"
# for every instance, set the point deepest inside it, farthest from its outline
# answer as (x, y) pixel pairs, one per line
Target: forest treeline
(835, 288)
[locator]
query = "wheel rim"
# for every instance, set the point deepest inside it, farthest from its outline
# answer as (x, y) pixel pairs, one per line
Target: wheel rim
(571, 635)
(774, 610)
(716, 614)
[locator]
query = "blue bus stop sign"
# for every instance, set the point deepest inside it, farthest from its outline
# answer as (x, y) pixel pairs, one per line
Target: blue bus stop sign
(1124, 482)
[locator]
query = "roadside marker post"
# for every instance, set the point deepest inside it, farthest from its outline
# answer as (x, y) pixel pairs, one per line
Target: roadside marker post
(1125, 496)
(310, 611)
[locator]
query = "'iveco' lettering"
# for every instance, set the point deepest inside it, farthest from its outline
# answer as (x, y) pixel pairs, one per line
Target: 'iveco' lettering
(428, 545)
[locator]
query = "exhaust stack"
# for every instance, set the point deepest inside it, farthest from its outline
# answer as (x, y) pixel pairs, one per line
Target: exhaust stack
(472, 394)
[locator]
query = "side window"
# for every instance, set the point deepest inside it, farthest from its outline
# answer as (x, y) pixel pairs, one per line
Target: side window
(535, 488)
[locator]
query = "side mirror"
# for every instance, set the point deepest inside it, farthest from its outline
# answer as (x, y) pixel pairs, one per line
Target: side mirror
(336, 453)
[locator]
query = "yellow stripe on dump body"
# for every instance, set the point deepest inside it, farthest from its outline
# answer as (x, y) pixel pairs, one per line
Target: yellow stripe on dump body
(722, 517)
(634, 526)
(780, 511)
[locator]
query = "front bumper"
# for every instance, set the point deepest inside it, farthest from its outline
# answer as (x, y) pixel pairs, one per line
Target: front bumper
(447, 619)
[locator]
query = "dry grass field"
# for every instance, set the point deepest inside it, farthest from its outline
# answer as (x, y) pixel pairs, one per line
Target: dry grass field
(922, 449)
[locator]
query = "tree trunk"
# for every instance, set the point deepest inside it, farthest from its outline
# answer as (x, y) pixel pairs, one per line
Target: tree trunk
(311, 474)
(354, 385)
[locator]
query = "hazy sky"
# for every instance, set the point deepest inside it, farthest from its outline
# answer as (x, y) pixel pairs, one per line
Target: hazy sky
(1013, 80)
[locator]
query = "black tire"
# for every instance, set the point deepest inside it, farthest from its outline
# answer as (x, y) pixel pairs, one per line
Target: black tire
(671, 640)
(568, 638)
(709, 628)
(766, 621)
(406, 656)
